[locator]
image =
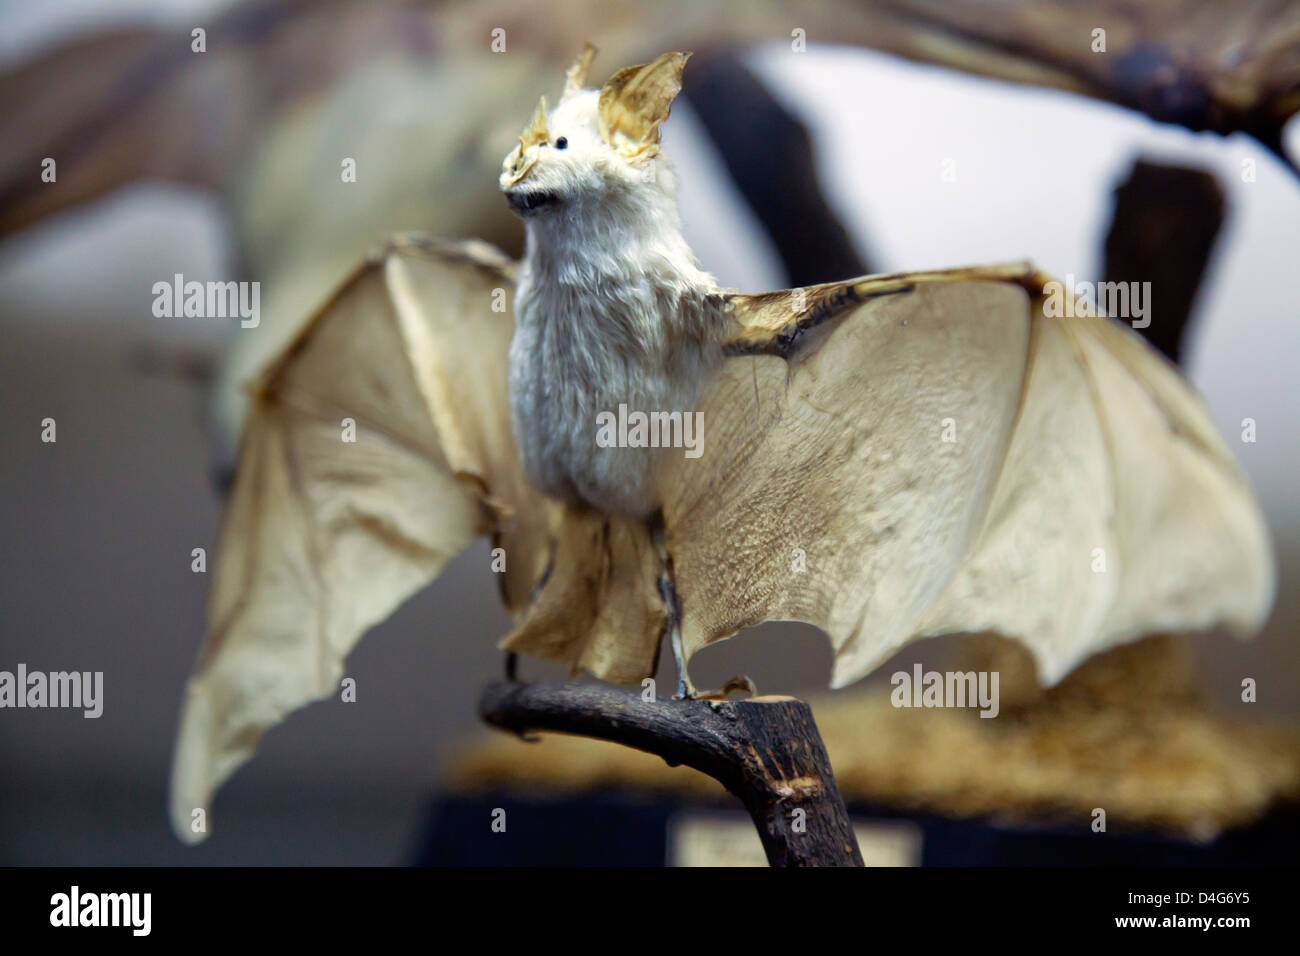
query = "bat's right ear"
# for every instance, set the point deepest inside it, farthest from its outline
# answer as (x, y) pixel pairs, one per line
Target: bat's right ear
(636, 100)
(575, 78)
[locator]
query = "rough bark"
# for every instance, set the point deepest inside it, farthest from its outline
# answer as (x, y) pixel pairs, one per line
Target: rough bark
(766, 751)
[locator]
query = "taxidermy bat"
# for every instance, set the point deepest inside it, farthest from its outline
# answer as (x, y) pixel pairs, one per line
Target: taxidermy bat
(888, 458)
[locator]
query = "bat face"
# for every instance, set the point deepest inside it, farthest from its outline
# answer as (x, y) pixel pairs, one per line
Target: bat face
(561, 160)
(597, 148)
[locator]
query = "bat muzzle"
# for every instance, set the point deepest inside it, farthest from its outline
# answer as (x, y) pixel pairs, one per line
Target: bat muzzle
(525, 202)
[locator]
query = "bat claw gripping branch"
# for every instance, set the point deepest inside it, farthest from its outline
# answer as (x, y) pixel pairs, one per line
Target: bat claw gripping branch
(672, 610)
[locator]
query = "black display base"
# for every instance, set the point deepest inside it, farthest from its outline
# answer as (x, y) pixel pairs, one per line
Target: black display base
(616, 829)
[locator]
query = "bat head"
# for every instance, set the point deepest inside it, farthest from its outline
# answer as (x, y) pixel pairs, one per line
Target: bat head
(595, 145)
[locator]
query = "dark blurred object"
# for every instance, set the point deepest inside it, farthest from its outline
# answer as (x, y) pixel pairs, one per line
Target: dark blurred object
(1202, 64)
(613, 830)
(616, 829)
(769, 155)
(132, 104)
(1163, 231)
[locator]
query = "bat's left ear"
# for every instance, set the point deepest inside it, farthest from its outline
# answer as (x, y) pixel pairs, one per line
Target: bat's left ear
(636, 100)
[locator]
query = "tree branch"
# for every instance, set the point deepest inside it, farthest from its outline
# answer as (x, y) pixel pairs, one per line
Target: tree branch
(766, 751)
(1166, 221)
(769, 154)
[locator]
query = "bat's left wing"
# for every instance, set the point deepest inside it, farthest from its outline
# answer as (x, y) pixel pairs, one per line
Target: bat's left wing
(913, 455)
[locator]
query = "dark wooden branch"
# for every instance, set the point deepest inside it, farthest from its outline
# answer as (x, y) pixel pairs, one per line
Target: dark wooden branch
(766, 751)
(1220, 67)
(1166, 221)
(769, 154)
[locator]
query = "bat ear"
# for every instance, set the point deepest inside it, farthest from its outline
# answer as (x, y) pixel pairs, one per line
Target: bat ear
(520, 159)
(535, 131)
(636, 100)
(575, 78)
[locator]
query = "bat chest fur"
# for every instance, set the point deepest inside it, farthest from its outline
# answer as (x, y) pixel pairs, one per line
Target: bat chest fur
(583, 363)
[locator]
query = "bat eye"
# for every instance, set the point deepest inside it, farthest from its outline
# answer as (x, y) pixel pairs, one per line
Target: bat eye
(562, 143)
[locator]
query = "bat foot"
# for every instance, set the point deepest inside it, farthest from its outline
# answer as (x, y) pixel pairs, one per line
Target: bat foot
(685, 689)
(739, 682)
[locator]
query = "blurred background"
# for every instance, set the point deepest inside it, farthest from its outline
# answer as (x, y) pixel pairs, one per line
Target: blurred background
(810, 145)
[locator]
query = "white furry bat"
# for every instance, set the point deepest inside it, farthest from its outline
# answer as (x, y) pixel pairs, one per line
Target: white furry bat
(889, 457)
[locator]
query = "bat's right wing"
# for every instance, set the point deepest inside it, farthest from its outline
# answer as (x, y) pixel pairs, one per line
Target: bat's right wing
(375, 449)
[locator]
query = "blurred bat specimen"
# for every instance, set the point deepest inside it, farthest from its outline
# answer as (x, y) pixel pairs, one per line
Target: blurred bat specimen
(285, 88)
(888, 458)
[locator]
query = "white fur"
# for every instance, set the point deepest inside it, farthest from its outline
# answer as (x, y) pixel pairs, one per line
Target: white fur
(610, 308)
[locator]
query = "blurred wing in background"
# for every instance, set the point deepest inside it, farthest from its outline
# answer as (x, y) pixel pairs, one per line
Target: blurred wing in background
(923, 454)
(376, 448)
(412, 93)
(1222, 67)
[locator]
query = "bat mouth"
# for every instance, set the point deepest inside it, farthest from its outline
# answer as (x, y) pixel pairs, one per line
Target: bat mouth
(526, 201)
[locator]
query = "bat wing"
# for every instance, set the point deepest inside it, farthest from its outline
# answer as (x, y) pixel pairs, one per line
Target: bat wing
(913, 455)
(324, 536)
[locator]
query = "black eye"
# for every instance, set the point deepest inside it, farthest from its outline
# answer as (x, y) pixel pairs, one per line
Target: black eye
(562, 143)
